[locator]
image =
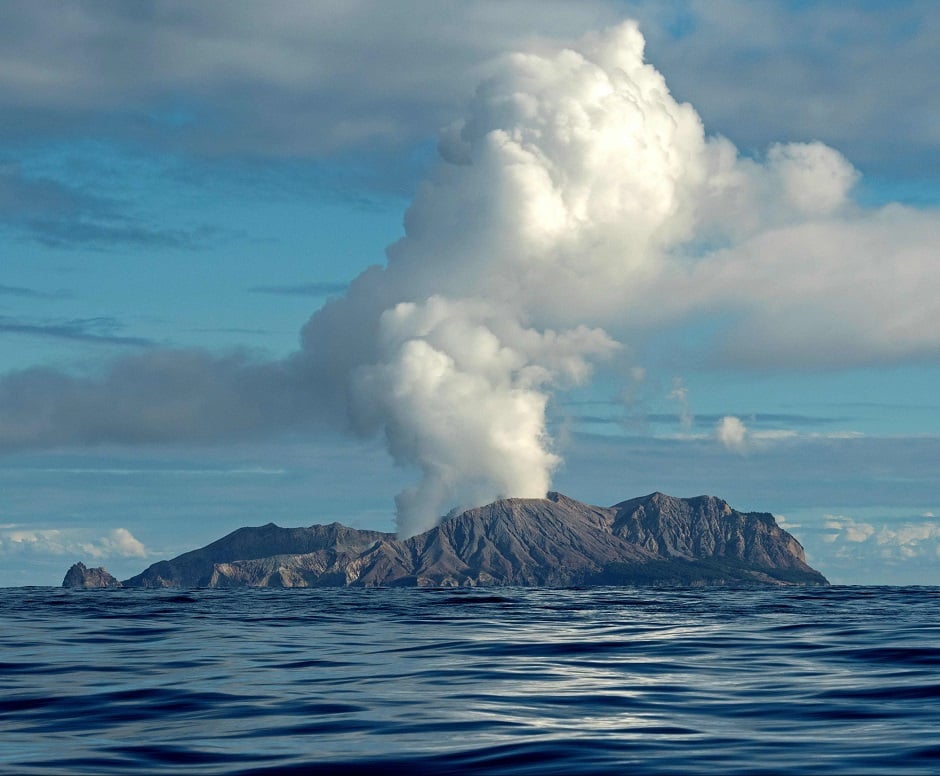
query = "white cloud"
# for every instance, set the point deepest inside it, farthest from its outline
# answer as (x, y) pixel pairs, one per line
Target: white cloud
(845, 529)
(576, 205)
(815, 178)
(117, 543)
(910, 536)
(885, 540)
(784, 522)
(732, 433)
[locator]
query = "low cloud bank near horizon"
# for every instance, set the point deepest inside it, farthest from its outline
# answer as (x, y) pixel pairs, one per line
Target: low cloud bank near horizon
(117, 543)
(576, 211)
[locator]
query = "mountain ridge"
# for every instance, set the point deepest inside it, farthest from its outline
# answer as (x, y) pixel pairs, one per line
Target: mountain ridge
(555, 541)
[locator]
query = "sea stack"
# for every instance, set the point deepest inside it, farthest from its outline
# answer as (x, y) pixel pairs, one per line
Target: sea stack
(81, 576)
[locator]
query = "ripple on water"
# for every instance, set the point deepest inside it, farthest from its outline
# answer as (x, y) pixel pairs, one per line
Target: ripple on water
(513, 681)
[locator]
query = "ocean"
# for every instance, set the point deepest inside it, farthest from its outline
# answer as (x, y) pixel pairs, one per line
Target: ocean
(841, 680)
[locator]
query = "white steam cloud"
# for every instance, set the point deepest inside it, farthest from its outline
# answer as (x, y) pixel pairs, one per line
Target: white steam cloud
(571, 171)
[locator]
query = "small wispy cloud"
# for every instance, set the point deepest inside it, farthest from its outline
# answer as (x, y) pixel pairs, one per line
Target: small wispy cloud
(59, 215)
(680, 395)
(111, 230)
(32, 293)
(101, 330)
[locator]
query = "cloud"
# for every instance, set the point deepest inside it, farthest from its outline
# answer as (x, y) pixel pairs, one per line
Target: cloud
(847, 529)
(61, 216)
(313, 78)
(909, 540)
(31, 293)
(101, 330)
(824, 293)
(680, 395)
(576, 211)
(322, 77)
(155, 397)
(863, 95)
(732, 433)
(784, 522)
(891, 540)
(25, 199)
(118, 543)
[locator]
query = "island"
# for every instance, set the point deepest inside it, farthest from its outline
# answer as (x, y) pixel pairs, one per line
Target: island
(556, 541)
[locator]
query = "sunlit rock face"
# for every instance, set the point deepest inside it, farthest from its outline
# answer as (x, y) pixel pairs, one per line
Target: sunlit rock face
(555, 541)
(83, 577)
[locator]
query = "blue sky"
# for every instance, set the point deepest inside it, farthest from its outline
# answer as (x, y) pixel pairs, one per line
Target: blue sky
(182, 187)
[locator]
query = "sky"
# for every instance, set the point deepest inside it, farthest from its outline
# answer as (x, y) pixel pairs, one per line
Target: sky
(371, 262)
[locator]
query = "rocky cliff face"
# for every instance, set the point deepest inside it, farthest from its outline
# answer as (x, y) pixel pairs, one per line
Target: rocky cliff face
(83, 577)
(555, 541)
(281, 557)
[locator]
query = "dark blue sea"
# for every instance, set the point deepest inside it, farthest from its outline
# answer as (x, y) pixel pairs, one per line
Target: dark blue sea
(844, 680)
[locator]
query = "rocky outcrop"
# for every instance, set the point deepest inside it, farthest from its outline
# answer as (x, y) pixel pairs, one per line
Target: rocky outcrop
(83, 577)
(305, 554)
(555, 541)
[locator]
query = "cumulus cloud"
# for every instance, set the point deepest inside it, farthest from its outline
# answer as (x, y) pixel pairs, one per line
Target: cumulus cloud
(732, 433)
(909, 540)
(891, 540)
(576, 210)
(846, 529)
(117, 543)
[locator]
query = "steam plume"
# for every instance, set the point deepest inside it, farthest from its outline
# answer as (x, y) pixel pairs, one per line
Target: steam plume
(571, 170)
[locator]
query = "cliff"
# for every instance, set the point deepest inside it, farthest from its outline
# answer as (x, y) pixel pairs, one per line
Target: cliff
(555, 541)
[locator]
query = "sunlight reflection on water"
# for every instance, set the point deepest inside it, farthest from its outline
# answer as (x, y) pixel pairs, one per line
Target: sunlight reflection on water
(553, 681)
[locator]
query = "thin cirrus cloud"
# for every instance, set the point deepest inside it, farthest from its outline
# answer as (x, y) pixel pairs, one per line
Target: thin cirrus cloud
(100, 330)
(33, 293)
(59, 215)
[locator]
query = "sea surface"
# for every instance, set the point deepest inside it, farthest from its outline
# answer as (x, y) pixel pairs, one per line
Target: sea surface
(844, 680)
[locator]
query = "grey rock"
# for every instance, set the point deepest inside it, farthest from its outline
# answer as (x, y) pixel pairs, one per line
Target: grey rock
(555, 541)
(83, 577)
